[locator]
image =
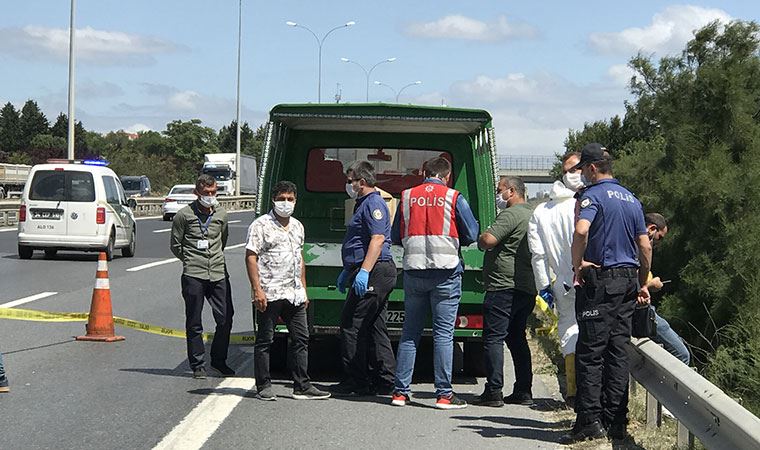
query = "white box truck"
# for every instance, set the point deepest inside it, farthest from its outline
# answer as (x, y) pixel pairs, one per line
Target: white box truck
(221, 166)
(12, 178)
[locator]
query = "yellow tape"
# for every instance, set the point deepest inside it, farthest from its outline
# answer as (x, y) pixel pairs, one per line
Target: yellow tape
(50, 316)
(544, 307)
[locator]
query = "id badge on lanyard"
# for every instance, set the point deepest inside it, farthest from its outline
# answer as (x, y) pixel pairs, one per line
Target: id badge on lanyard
(203, 244)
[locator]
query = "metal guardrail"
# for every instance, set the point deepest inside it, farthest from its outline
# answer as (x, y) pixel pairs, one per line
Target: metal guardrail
(527, 163)
(146, 206)
(707, 412)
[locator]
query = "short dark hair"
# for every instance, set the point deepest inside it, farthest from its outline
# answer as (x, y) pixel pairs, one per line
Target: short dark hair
(517, 184)
(656, 219)
(203, 181)
(284, 187)
(363, 170)
(439, 167)
(569, 155)
(604, 165)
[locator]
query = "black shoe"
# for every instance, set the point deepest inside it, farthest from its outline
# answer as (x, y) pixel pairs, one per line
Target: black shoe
(348, 389)
(519, 398)
(384, 390)
(199, 373)
(617, 431)
(4, 387)
(266, 393)
(570, 402)
(593, 430)
(310, 393)
(490, 398)
(223, 368)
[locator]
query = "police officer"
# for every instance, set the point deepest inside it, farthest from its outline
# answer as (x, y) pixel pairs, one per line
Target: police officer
(369, 270)
(611, 259)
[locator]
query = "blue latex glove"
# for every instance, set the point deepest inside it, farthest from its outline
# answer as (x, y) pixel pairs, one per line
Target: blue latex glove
(341, 282)
(360, 282)
(547, 295)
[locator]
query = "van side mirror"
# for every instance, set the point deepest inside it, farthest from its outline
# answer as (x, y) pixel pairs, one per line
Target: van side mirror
(132, 203)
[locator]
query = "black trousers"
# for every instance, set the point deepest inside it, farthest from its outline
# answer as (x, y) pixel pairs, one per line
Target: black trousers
(505, 316)
(298, 343)
(604, 308)
(365, 346)
(219, 296)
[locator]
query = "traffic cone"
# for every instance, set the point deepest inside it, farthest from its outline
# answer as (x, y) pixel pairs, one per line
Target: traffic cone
(100, 324)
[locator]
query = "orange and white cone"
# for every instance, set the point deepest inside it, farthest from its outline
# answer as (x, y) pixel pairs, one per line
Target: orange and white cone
(100, 324)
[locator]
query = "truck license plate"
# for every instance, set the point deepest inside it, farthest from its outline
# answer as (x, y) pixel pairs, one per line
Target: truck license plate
(396, 317)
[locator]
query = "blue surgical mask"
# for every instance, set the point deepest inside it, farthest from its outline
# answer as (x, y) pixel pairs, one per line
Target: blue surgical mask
(500, 202)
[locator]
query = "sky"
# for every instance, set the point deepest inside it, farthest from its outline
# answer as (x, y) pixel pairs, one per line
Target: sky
(540, 68)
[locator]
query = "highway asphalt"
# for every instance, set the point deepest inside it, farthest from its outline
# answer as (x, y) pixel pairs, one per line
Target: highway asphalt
(139, 392)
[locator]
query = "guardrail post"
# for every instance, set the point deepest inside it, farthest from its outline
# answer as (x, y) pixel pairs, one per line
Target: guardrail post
(685, 439)
(654, 412)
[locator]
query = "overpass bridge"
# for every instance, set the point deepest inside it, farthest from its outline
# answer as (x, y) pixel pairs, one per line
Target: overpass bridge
(530, 168)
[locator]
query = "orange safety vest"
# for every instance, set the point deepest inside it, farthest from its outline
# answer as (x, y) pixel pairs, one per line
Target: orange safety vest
(428, 227)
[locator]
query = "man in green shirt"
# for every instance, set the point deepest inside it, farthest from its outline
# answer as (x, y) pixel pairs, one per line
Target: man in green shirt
(510, 295)
(199, 235)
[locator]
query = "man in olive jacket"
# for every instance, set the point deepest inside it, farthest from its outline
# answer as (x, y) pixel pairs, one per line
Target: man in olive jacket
(199, 235)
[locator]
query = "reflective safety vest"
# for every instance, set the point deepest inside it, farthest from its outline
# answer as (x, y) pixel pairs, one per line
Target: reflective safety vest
(428, 227)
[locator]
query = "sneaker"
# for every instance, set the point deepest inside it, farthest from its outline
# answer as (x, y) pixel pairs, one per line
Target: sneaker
(199, 373)
(266, 393)
(310, 393)
(399, 399)
(519, 398)
(450, 401)
(223, 368)
(490, 398)
(593, 430)
(4, 389)
(617, 431)
(349, 389)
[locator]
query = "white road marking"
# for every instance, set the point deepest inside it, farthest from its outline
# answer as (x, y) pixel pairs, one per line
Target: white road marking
(163, 230)
(153, 264)
(5, 230)
(31, 298)
(234, 221)
(198, 426)
(148, 217)
(230, 247)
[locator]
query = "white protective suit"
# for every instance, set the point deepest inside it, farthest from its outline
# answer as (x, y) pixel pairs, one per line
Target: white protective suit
(550, 235)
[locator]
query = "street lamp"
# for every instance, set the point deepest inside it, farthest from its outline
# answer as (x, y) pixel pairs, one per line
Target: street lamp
(319, 43)
(395, 92)
(368, 72)
(237, 119)
(70, 143)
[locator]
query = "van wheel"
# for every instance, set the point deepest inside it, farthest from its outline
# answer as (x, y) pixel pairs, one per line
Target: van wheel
(50, 253)
(167, 217)
(25, 252)
(129, 251)
(109, 247)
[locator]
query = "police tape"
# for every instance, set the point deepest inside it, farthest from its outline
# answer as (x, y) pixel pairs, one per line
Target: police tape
(544, 307)
(51, 316)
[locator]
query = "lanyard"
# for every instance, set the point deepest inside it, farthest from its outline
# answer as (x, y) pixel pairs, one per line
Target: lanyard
(204, 225)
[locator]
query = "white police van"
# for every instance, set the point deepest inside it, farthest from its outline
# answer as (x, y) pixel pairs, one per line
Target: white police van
(75, 205)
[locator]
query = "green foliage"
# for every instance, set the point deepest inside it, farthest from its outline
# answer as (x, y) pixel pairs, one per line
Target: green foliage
(10, 128)
(689, 147)
(190, 140)
(31, 123)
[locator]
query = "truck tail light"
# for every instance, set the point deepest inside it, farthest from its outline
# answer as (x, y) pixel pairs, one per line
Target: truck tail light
(22, 213)
(100, 216)
(167, 200)
(470, 321)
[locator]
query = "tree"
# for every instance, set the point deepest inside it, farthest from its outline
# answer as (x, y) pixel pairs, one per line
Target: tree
(46, 146)
(190, 140)
(251, 143)
(61, 126)
(32, 123)
(10, 129)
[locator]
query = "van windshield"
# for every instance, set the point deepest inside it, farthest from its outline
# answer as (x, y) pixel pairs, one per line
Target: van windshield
(396, 169)
(59, 185)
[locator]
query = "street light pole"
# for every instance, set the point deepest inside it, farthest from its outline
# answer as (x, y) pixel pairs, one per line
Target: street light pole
(319, 44)
(70, 143)
(379, 83)
(237, 120)
(415, 83)
(368, 72)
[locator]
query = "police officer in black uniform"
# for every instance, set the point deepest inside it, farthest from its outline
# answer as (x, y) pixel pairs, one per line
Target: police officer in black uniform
(611, 259)
(370, 274)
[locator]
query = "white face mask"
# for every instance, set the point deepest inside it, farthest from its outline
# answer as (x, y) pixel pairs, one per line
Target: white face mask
(500, 202)
(284, 208)
(573, 181)
(208, 201)
(350, 191)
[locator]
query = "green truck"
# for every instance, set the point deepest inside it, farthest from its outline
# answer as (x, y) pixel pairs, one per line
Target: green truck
(313, 144)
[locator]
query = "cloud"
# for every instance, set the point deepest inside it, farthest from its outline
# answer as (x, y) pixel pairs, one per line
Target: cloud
(88, 89)
(668, 32)
(111, 48)
(461, 27)
(136, 128)
(621, 74)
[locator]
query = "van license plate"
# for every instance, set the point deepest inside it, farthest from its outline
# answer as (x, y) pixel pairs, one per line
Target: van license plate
(47, 214)
(396, 317)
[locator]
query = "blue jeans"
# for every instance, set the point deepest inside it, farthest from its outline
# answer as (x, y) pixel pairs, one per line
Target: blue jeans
(670, 340)
(3, 378)
(440, 295)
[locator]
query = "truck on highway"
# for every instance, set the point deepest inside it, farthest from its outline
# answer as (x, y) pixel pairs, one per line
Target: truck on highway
(221, 166)
(12, 178)
(313, 145)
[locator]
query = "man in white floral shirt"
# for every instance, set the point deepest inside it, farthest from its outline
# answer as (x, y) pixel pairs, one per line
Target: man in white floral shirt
(278, 282)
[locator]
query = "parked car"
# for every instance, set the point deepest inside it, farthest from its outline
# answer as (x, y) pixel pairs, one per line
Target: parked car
(75, 205)
(179, 196)
(136, 186)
